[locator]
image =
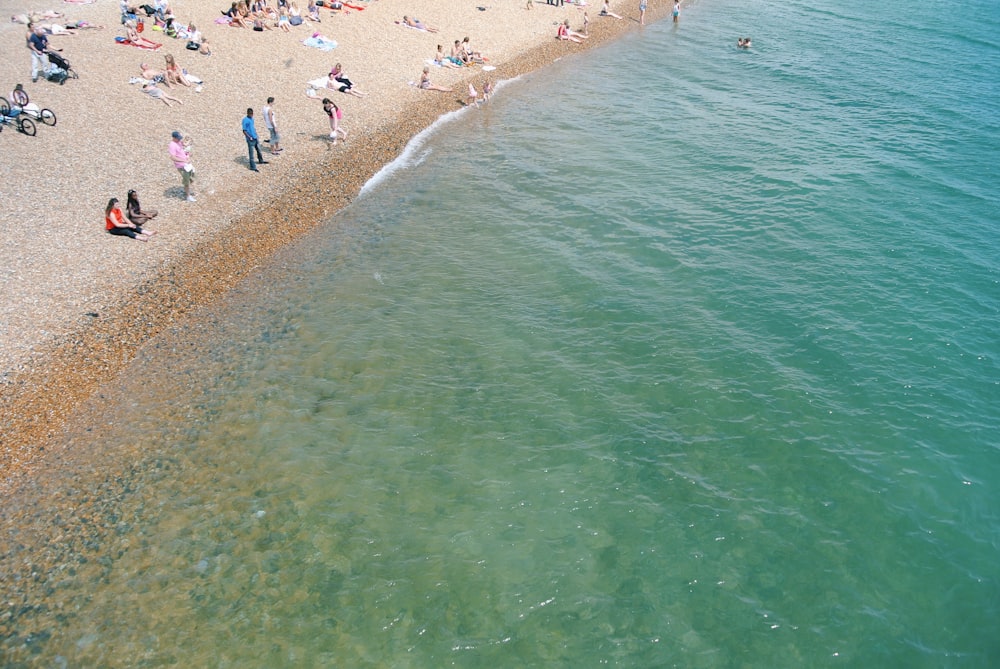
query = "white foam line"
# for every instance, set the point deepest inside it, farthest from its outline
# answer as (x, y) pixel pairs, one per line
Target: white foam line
(413, 154)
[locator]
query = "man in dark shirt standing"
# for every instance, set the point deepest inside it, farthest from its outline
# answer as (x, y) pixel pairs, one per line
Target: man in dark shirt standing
(39, 44)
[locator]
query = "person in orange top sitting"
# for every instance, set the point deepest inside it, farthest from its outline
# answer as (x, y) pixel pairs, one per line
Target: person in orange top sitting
(115, 223)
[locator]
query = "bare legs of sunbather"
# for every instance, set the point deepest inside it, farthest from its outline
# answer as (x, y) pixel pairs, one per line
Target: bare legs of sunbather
(418, 24)
(158, 94)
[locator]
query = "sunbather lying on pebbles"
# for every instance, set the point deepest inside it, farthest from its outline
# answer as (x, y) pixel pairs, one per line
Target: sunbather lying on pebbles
(158, 94)
(418, 24)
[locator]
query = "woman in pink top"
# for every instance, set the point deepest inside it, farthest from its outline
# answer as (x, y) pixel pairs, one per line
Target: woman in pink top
(334, 113)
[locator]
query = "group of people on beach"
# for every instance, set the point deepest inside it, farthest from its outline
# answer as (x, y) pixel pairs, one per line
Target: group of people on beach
(256, 14)
(172, 75)
(162, 18)
(261, 15)
(564, 32)
(45, 61)
(462, 55)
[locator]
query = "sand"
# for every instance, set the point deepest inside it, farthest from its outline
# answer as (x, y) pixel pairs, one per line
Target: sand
(76, 302)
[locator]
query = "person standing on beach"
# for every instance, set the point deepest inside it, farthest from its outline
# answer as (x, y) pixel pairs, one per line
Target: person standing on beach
(642, 12)
(181, 156)
(677, 10)
(275, 139)
(335, 115)
(39, 45)
(250, 134)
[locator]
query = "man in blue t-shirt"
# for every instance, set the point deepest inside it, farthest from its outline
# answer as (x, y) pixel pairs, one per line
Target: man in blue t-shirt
(38, 43)
(250, 134)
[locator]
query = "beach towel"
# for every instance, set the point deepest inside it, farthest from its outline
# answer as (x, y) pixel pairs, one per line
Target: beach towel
(321, 43)
(80, 2)
(357, 7)
(147, 47)
(318, 83)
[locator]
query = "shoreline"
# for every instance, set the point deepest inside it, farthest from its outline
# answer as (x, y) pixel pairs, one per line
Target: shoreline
(49, 384)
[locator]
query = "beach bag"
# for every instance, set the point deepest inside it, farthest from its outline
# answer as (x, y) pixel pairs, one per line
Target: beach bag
(140, 26)
(295, 20)
(191, 46)
(58, 76)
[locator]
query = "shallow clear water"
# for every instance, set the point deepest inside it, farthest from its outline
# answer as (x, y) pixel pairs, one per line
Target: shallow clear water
(672, 355)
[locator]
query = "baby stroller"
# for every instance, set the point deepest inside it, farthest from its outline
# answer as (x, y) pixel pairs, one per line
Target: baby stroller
(61, 70)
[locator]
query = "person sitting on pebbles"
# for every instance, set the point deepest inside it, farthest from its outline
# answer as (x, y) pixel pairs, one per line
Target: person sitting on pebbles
(442, 60)
(564, 33)
(606, 11)
(115, 223)
(195, 37)
(425, 83)
(174, 74)
(136, 213)
(470, 55)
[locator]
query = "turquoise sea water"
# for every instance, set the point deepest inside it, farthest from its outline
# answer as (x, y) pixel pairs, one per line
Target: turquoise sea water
(672, 355)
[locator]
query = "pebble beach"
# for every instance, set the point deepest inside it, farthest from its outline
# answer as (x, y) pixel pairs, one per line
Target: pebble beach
(77, 302)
